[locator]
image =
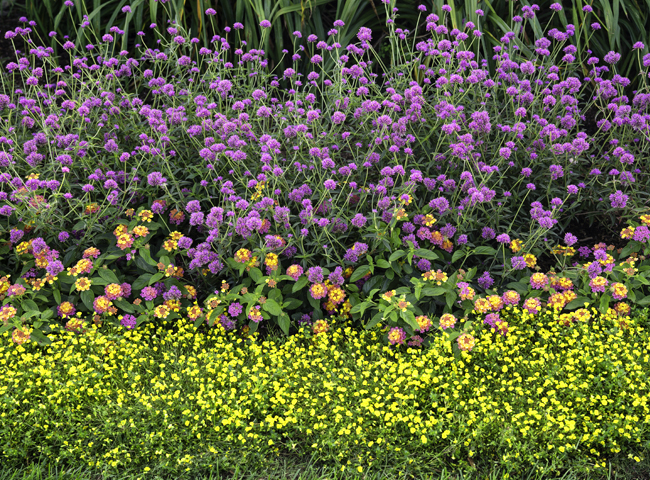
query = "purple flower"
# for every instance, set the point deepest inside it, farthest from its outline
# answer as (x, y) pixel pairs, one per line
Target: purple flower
(612, 57)
(424, 265)
(128, 321)
(503, 238)
(487, 233)
(505, 152)
(235, 309)
(556, 7)
(149, 293)
(265, 24)
(15, 235)
(63, 236)
(618, 199)
(315, 275)
(330, 184)
(462, 239)
(54, 268)
(518, 263)
(156, 179)
(184, 242)
(570, 239)
(358, 220)
(485, 280)
(336, 277)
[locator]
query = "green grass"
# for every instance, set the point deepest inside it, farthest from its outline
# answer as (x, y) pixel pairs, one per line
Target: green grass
(288, 471)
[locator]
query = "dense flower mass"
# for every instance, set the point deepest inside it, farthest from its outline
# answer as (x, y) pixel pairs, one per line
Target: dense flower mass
(144, 186)
(598, 393)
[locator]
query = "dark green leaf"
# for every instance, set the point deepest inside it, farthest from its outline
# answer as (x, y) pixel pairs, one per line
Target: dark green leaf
(302, 281)
(29, 305)
(108, 275)
(284, 322)
(39, 338)
(359, 273)
(124, 305)
(87, 298)
(577, 303)
(396, 255)
(141, 282)
(484, 250)
(272, 307)
(428, 254)
(374, 321)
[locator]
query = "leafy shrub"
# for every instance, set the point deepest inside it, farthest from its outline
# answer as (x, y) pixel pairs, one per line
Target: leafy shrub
(181, 175)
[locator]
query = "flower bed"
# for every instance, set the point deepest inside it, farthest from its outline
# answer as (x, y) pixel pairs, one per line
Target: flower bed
(187, 182)
(160, 399)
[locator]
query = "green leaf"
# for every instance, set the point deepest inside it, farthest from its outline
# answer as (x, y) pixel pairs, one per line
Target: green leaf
(409, 318)
(39, 338)
(484, 250)
(381, 263)
(577, 303)
(141, 282)
(396, 255)
(284, 322)
(374, 321)
(272, 307)
(519, 287)
(255, 274)
(108, 275)
(275, 294)
(644, 301)
(158, 276)
(65, 278)
(450, 296)
(434, 292)
(87, 298)
(302, 281)
(146, 255)
(124, 305)
(458, 254)
(198, 322)
(359, 273)
(292, 304)
(143, 265)
(29, 305)
(604, 303)
(428, 254)
(57, 295)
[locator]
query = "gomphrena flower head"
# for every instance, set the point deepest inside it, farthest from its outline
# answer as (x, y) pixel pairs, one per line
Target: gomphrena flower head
(396, 336)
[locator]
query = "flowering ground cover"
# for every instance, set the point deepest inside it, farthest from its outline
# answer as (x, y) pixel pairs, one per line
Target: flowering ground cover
(435, 208)
(546, 398)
